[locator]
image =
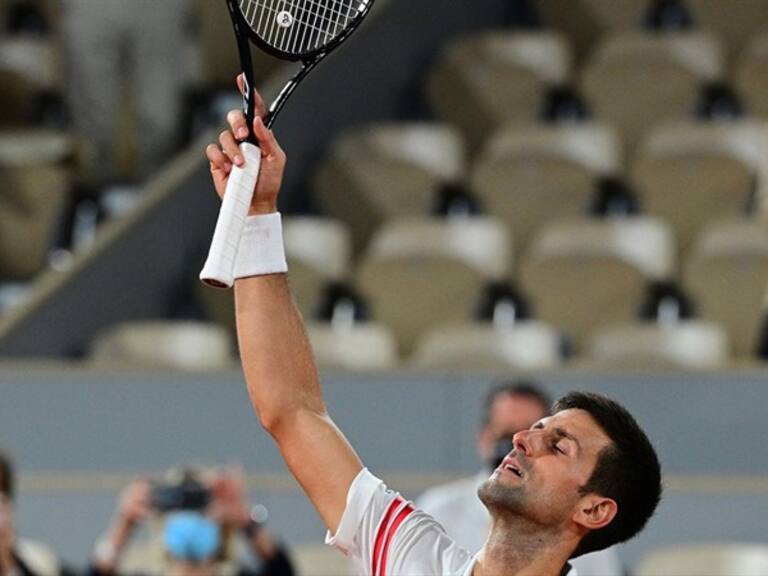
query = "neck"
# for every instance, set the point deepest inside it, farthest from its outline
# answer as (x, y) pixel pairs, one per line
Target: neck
(515, 547)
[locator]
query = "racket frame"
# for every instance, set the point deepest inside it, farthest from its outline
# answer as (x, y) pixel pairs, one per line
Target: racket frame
(245, 34)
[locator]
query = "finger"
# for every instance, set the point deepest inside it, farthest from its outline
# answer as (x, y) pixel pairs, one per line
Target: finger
(230, 147)
(237, 123)
(241, 83)
(217, 158)
(266, 138)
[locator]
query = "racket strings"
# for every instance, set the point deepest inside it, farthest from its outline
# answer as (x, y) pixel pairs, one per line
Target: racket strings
(299, 27)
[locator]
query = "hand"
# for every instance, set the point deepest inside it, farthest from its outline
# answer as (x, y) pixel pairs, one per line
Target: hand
(135, 503)
(223, 156)
(229, 499)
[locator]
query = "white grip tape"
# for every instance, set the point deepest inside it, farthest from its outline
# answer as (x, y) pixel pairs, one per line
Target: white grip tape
(219, 269)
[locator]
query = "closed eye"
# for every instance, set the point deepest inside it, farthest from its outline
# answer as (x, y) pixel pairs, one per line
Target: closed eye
(556, 448)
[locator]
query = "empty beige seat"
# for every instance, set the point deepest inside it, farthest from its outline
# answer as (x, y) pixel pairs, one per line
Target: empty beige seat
(530, 175)
(636, 79)
(690, 173)
(359, 346)
(727, 274)
(734, 22)
(385, 171)
(526, 345)
(28, 67)
(751, 75)
(712, 559)
(318, 251)
(194, 346)
(585, 21)
(486, 79)
(586, 274)
(422, 272)
(34, 189)
(691, 344)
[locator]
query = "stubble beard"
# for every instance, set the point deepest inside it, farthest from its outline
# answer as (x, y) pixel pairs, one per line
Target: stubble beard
(500, 499)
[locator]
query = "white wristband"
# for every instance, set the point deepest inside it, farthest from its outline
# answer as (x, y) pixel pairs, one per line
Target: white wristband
(261, 247)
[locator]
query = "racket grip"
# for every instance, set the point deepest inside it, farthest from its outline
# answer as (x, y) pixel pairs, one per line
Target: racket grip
(219, 268)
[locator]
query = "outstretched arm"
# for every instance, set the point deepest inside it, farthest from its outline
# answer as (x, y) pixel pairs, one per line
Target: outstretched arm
(280, 372)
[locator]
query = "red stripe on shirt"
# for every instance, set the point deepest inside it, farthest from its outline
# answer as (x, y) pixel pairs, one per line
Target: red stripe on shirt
(381, 533)
(390, 533)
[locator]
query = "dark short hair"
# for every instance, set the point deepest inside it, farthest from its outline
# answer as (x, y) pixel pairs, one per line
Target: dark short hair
(628, 471)
(6, 476)
(525, 388)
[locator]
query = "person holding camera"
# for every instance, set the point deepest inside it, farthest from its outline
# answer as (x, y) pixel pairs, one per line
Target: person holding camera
(196, 522)
(509, 407)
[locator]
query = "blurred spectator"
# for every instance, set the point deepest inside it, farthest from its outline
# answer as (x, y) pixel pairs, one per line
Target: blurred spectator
(114, 45)
(509, 408)
(199, 519)
(19, 557)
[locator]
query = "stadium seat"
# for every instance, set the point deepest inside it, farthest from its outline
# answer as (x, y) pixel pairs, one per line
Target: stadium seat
(419, 273)
(486, 79)
(690, 344)
(194, 346)
(29, 67)
(318, 251)
(321, 560)
(727, 273)
(528, 345)
(530, 175)
(690, 173)
(712, 559)
(751, 75)
(34, 188)
(586, 274)
(584, 21)
(637, 79)
(360, 346)
(385, 171)
(734, 22)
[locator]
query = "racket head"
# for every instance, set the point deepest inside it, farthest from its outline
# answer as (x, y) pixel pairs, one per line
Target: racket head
(300, 30)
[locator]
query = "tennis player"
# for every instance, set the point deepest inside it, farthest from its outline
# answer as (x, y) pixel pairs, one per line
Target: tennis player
(580, 480)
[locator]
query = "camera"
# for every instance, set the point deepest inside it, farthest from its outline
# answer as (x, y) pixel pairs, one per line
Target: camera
(181, 491)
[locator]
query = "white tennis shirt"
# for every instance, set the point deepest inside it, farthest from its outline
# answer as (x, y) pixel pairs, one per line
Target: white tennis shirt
(386, 536)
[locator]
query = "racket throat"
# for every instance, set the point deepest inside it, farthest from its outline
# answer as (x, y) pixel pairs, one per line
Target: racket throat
(288, 89)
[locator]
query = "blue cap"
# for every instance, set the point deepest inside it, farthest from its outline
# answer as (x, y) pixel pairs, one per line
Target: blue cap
(191, 537)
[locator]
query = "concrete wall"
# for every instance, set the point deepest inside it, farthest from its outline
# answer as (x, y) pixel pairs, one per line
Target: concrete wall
(79, 435)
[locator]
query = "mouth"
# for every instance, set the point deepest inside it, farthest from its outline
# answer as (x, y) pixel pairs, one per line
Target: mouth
(510, 466)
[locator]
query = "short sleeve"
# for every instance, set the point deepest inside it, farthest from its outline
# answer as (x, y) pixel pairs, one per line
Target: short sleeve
(385, 534)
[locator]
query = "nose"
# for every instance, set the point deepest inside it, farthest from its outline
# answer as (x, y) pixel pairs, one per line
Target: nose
(521, 442)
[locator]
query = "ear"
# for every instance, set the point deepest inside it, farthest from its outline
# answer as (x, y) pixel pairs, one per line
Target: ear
(594, 512)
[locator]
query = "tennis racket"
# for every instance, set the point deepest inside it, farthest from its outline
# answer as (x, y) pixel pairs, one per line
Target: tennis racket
(296, 30)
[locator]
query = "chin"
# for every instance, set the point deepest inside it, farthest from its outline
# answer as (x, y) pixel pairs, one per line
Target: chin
(496, 495)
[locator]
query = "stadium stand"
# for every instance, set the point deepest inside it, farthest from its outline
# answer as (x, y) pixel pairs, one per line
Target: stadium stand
(531, 175)
(636, 79)
(184, 345)
(727, 272)
(688, 344)
(484, 80)
(585, 274)
(440, 264)
(385, 171)
(526, 345)
(750, 75)
(690, 172)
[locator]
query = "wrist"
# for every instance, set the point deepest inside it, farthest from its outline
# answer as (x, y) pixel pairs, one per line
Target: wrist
(261, 251)
(262, 208)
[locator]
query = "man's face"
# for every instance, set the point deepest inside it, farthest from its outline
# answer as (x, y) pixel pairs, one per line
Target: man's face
(540, 479)
(509, 414)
